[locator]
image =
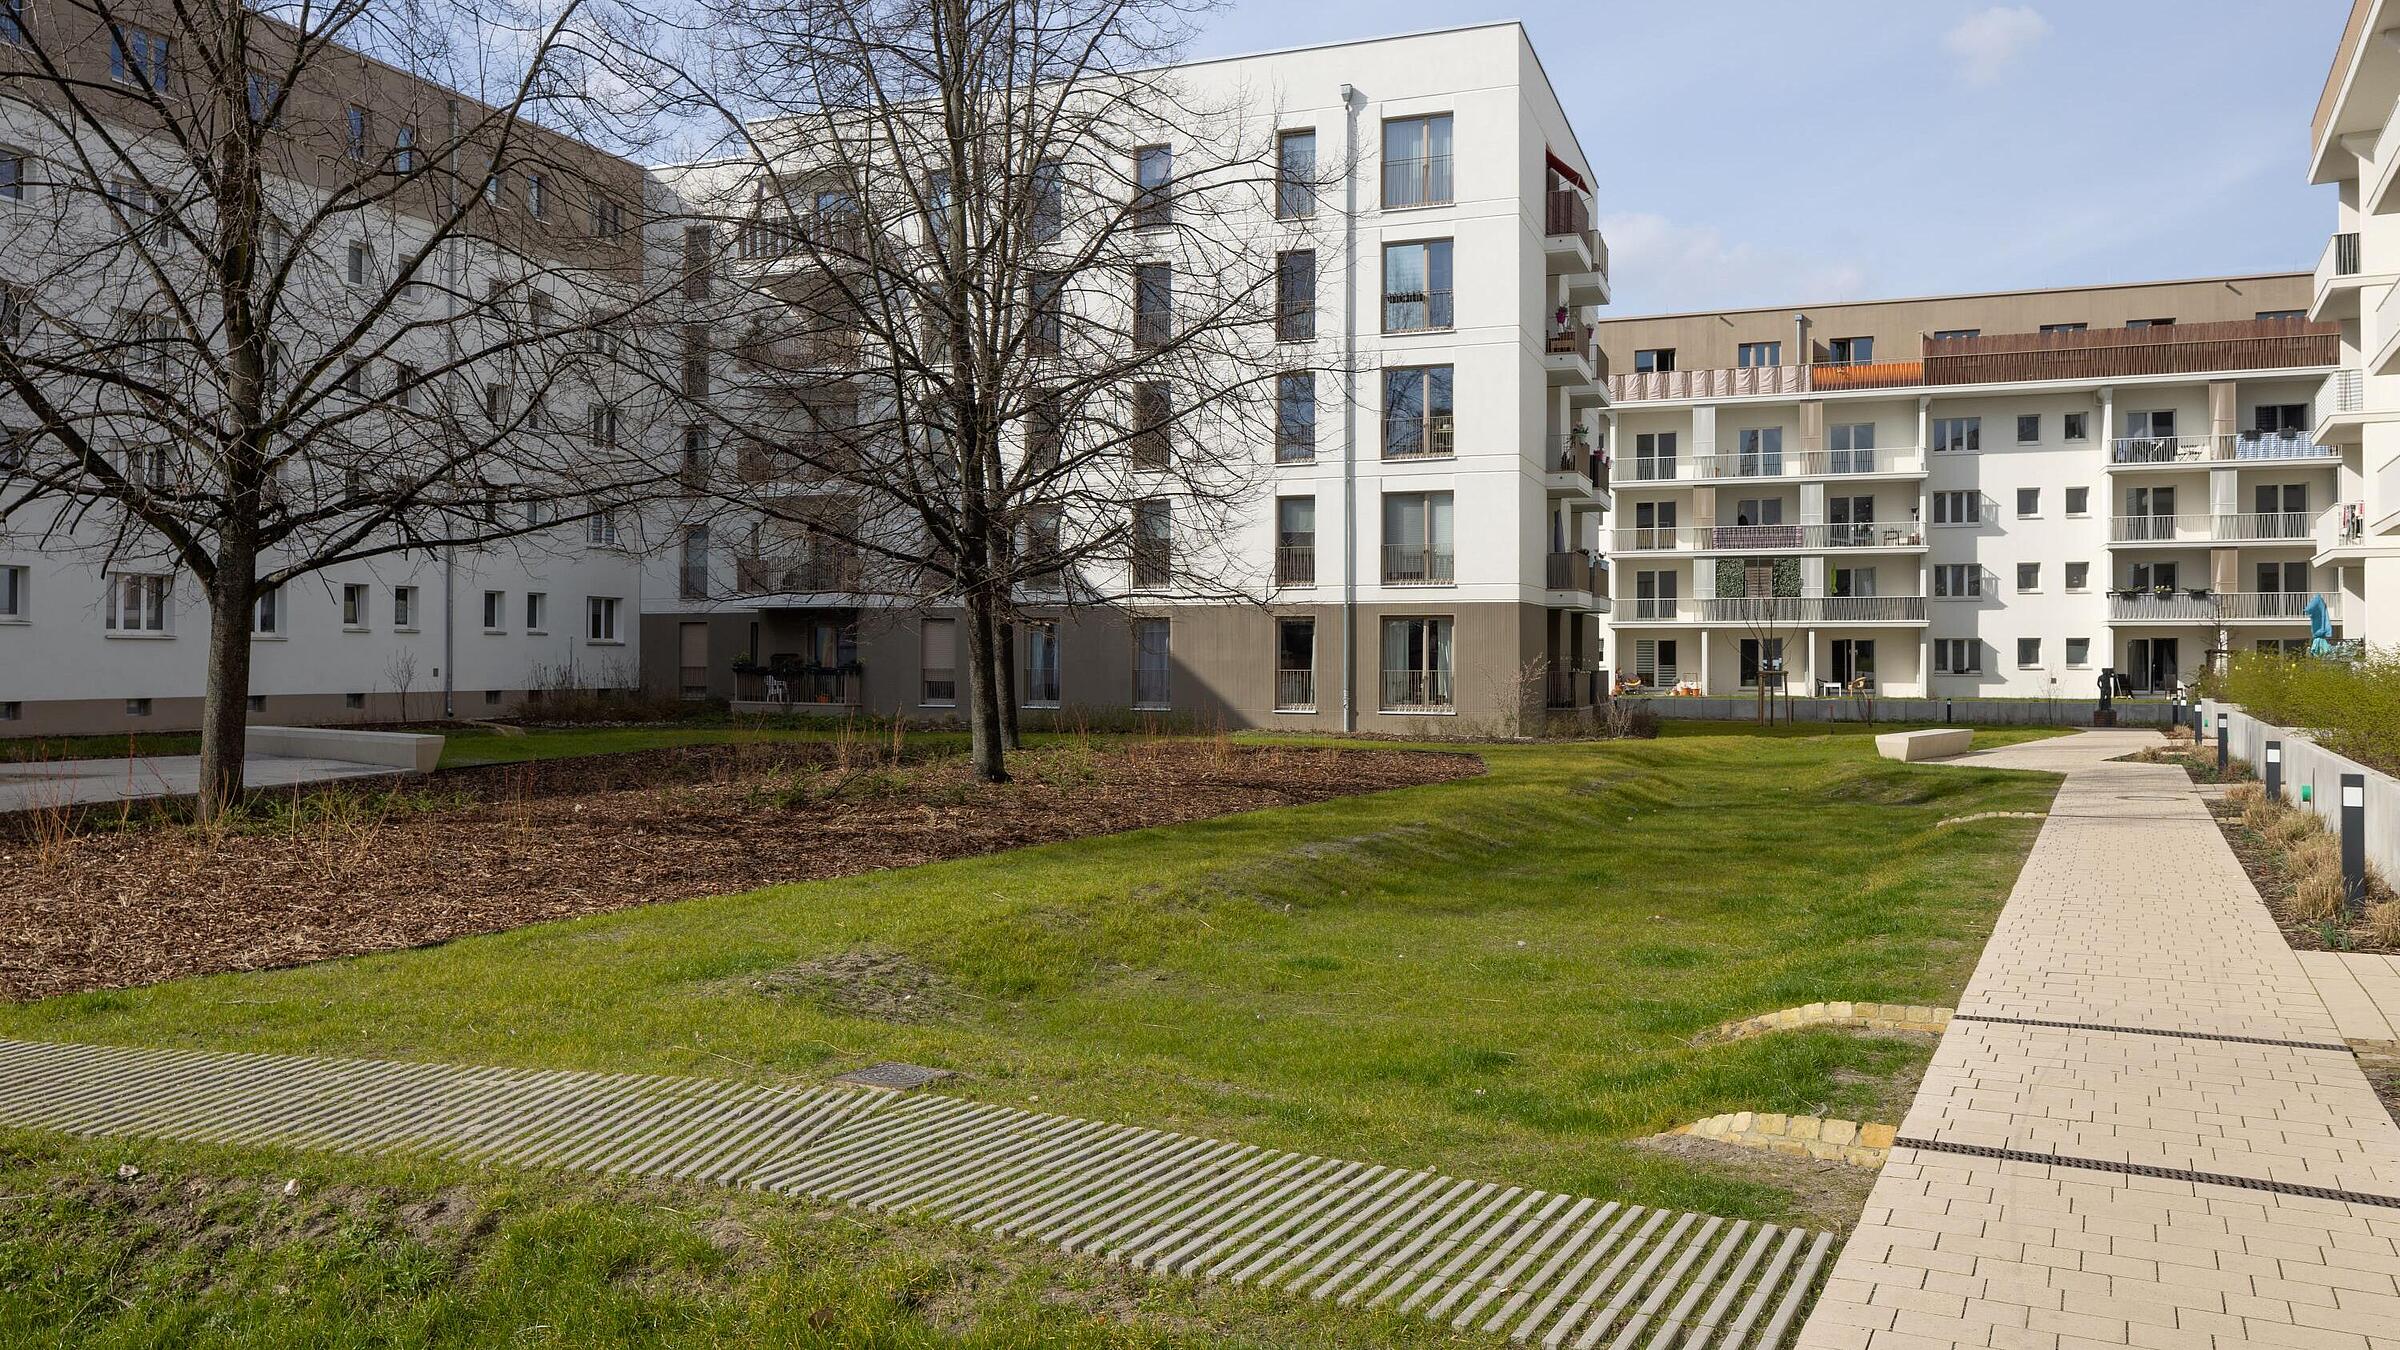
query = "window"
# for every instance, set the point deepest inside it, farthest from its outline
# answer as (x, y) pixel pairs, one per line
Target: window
(11, 710)
(1416, 286)
(1418, 539)
(693, 472)
(1151, 442)
(496, 401)
(1295, 175)
(2064, 327)
(1649, 360)
(600, 618)
(1296, 295)
(1945, 333)
(12, 594)
(1045, 307)
(495, 611)
(1416, 161)
(1153, 179)
(137, 604)
(537, 612)
(1152, 677)
(2029, 576)
(699, 242)
(1957, 656)
(1295, 417)
(354, 700)
(357, 263)
(1761, 455)
(12, 174)
(1295, 665)
(1417, 664)
(2029, 651)
(2079, 501)
(404, 149)
(354, 606)
(2029, 501)
(354, 125)
(1153, 306)
(12, 20)
(2282, 314)
(1041, 664)
(1295, 541)
(266, 617)
(1846, 351)
(2029, 428)
(1049, 201)
(137, 707)
(2076, 426)
(1153, 544)
(600, 528)
(693, 572)
(938, 663)
(2078, 576)
(537, 201)
(2149, 323)
(1752, 354)
(1957, 433)
(1417, 418)
(1853, 447)
(695, 362)
(608, 216)
(1957, 508)
(136, 57)
(2079, 651)
(1957, 581)
(404, 607)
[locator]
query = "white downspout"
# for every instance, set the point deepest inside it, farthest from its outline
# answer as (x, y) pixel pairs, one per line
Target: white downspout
(1350, 103)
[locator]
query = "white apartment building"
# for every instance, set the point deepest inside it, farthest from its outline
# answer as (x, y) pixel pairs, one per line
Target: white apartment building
(1431, 492)
(1998, 495)
(2354, 143)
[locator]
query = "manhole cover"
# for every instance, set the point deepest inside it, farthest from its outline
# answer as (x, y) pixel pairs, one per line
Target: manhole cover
(891, 1077)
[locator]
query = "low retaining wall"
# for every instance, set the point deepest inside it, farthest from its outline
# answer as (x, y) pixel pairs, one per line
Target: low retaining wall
(2306, 763)
(2064, 712)
(406, 751)
(1858, 1143)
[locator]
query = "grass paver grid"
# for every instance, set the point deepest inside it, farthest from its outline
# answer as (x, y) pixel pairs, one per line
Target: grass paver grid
(1148, 1198)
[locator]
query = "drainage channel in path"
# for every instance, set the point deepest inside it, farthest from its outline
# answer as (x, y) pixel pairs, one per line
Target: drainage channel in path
(1538, 1266)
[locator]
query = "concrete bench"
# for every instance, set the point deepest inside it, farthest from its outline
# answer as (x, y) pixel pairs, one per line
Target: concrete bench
(1911, 746)
(405, 751)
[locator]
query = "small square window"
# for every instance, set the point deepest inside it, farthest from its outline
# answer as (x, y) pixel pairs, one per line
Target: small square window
(258, 703)
(137, 707)
(2079, 501)
(2079, 651)
(2029, 501)
(354, 700)
(2076, 426)
(2029, 428)
(491, 696)
(495, 611)
(2029, 651)
(2079, 576)
(2029, 576)
(11, 711)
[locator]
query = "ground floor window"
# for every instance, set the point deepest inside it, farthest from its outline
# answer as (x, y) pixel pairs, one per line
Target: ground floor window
(1957, 656)
(1151, 683)
(2153, 665)
(940, 663)
(1761, 656)
(1295, 665)
(138, 604)
(1041, 665)
(600, 618)
(1854, 663)
(1417, 664)
(1654, 663)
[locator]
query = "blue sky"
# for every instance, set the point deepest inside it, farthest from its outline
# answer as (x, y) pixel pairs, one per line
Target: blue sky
(1986, 146)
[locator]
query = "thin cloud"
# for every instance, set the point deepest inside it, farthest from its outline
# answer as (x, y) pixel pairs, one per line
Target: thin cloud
(1987, 42)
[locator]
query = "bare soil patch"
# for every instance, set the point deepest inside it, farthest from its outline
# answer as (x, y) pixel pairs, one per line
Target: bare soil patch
(2198, 761)
(483, 850)
(1824, 1194)
(866, 982)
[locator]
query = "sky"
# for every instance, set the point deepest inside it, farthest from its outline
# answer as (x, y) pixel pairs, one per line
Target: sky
(1773, 152)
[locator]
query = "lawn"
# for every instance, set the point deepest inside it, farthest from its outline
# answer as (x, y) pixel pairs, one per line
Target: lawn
(1499, 976)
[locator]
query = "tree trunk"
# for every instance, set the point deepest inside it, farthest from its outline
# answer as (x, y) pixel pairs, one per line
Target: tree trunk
(225, 707)
(1010, 736)
(983, 691)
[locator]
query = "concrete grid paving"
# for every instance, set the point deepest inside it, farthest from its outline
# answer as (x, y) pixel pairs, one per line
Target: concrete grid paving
(1536, 1266)
(2133, 921)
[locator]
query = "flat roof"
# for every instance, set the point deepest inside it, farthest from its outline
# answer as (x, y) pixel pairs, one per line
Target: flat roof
(1958, 295)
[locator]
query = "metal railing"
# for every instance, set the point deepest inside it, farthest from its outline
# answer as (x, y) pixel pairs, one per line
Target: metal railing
(2156, 607)
(1295, 691)
(1812, 535)
(1654, 538)
(2161, 449)
(792, 685)
(2183, 606)
(2344, 391)
(1801, 463)
(1649, 468)
(1566, 212)
(2343, 249)
(828, 574)
(1416, 690)
(1296, 564)
(1575, 339)
(1572, 686)
(2272, 605)
(1420, 181)
(1661, 609)
(1418, 565)
(1573, 455)
(2218, 527)
(1417, 311)
(1573, 571)
(2339, 524)
(1430, 436)
(1812, 608)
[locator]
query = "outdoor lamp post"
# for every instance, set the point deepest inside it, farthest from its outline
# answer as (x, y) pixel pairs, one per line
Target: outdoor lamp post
(2354, 840)
(2274, 770)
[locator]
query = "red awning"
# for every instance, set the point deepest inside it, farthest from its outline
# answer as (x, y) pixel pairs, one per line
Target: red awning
(1559, 167)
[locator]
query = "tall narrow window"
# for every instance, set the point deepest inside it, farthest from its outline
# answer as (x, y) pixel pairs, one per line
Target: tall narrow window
(1295, 665)
(12, 175)
(1295, 417)
(1049, 200)
(1041, 663)
(1153, 176)
(404, 149)
(1295, 541)
(355, 131)
(1152, 664)
(1416, 412)
(1296, 175)
(537, 199)
(1296, 295)
(1417, 664)
(1153, 424)
(1153, 305)
(12, 21)
(1153, 544)
(1416, 161)
(695, 362)
(693, 572)
(698, 245)
(1416, 286)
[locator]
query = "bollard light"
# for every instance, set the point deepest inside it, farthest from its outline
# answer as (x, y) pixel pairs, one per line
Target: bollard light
(2224, 756)
(2275, 771)
(2354, 840)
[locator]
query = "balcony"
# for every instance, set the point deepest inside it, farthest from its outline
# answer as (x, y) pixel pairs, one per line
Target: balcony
(2342, 402)
(1575, 572)
(2129, 452)
(787, 687)
(2384, 338)
(1779, 610)
(1572, 247)
(1296, 564)
(1571, 355)
(2338, 280)
(1572, 468)
(2213, 607)
(1809, 536)
(1782, 464)
(1418, 565)
(823, 574)
(1572, 687)
(2014, 358)
(2234, 527)
(2342, 526)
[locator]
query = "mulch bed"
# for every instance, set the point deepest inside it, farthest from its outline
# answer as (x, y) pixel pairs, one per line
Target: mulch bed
(488, 849)
(2270, 875)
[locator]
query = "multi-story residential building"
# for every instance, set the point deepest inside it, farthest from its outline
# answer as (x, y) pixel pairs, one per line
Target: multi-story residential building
(2002, 494)
(2354, 143)
(1423, 535)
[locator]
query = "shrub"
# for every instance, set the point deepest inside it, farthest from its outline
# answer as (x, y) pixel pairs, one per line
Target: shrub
(2318, 899)
(2383, 923)
(2318, 855)
(2295, 826)
(2353, 707)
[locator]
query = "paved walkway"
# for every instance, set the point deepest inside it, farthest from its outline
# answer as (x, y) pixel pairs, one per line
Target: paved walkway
(80, 782)
(2361, 990)
(1536, 1265)
(2143, 1126)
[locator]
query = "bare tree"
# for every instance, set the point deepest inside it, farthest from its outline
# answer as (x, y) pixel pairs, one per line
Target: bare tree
(279, 299)
(401, 669)
(1005, 308)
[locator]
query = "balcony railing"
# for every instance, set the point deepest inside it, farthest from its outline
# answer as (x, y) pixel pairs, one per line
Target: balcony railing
(1574, 571)
(2341, 524)
(1573, 339)
(1572, 687)
(830, 574)
(1296, 565)
(2181, 606)
(2161, 607)
(2344, 391)
(1566, 212)
(1649, 468)
(1416, 690)
(1295, 691)
(1416, 311)
(1811, 535)
(1421, 181)
(1661, 609)
(1430, 436)
(1654, 538)
(793, 685)
(2346, 260)
(2224, 527)
(1417, 565)
(1778, 609)
(1800, 463)
(1573, 455)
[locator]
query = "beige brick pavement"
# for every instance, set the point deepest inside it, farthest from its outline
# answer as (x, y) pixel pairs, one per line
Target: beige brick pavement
(2130, 912)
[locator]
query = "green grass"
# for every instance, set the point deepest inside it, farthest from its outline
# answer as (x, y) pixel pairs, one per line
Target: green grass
(1498, 977)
